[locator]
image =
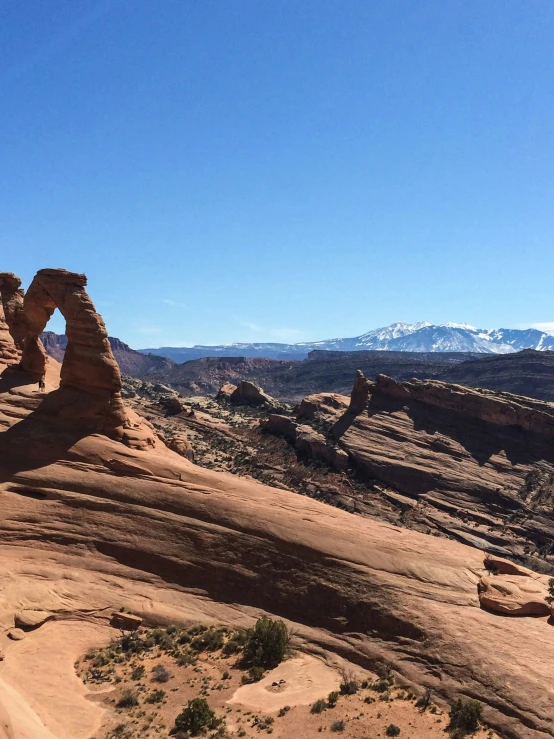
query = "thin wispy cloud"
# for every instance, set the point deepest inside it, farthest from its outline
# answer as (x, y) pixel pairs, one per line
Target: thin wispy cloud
(546, 326)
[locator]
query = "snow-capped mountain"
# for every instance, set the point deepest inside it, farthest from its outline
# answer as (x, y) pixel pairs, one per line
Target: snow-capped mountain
(402, 337)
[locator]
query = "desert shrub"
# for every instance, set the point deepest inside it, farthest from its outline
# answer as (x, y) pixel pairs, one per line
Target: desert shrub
(381, 685)
(195, 717)
(464, 717)
(254, 675)
(424, 701)
(156, 696)
(171, 629)
(196, 629)
(128, 699)
(283, 711)
(332, 699)
(350, 687)
(266, 644)
(186, 658)
(138, 672)
(338, 725)
(551, 587)
(232, 647)
(318, 707)
(160, 674)
(392, 730)
(210, 640)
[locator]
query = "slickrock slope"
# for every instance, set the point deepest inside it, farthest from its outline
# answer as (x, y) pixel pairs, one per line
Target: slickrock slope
(88, 524)
(478, 463)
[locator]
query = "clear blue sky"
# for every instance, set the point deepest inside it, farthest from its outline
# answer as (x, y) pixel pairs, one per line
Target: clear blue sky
(227, 170)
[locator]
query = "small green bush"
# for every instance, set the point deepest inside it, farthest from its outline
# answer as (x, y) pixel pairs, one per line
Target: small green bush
(392, 730)
(160, 674)
(138, 673)
(332, 699)
(338, 725)
(464, 717)
(349, 687)
(254, 675)
(266, 644)
(210, 641)
(318, 707)
(195, 717)
(156, 696)
(127, 700)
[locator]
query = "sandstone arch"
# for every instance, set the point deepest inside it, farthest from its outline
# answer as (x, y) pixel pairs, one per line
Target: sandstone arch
(88, 363)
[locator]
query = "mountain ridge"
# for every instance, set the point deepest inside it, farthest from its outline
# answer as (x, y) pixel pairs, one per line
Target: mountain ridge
(416, 337)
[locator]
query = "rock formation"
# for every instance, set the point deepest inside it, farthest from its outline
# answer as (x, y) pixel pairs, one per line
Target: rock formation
(360, 394)
(225, 391)
(11, 296)
(88, 525)
(8, 350)
(247, 393)
(89, 394)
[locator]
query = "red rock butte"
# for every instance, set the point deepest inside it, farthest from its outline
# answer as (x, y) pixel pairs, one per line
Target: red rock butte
(97, 514)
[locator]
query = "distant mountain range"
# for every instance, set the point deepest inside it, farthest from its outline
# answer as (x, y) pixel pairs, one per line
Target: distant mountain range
(406, 337)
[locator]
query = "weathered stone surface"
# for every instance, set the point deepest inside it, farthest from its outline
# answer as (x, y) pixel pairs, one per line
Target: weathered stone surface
(513, 595)
(29, 619)
(225, 391)
(16, 634)
(11, 296)
(181, 445)
(472, 459)
(506, 567)
(326, 407)
(310, 443)
(247, 393)
(8, 351)
(125, 621)
(281, 426)
(360, 393)
(171, 404)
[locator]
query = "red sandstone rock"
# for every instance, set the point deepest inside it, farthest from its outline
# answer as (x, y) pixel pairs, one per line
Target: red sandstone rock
(11, 296)
(247, 393)
(225, 391)
(513, 595)
(181, 445)
(125, 621)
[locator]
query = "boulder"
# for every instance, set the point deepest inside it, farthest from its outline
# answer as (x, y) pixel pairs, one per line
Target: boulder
(125, 621)
(181, 445)
(30, 619)
(16, 634)
(280, 426)
(506, 567)
(171, 405)
(326, 407)
(225, 391)
(247, 393)
(513, 595)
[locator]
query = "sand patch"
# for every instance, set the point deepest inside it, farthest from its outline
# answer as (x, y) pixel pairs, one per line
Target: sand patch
(305, 680)
(43, 696)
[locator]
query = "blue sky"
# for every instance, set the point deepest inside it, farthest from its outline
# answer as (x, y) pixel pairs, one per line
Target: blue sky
(281, 170)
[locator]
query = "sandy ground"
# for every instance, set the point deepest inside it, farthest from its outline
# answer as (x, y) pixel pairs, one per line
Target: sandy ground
(41, 668)
(254, 709)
